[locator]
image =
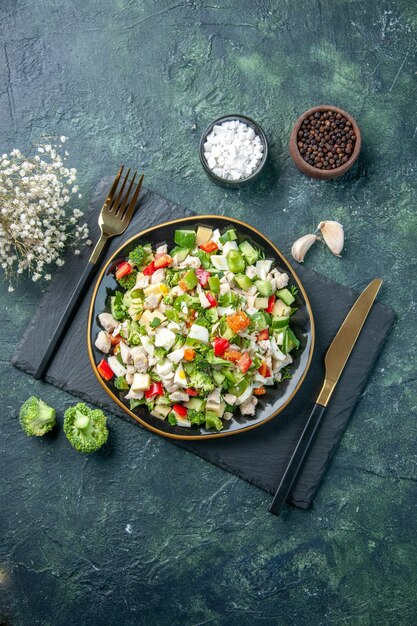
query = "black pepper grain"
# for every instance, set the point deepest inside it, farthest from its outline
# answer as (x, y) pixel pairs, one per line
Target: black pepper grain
(326, 140)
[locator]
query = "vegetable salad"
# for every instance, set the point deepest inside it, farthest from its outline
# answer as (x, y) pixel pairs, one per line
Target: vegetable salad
(199, 332)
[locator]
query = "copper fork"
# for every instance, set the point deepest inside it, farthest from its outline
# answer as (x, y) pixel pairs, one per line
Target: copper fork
(113, 220)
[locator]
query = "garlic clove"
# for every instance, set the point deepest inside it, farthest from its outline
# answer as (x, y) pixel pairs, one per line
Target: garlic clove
(302, 246)
(333, 236)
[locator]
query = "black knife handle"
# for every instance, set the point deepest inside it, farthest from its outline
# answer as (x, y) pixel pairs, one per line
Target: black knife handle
(66, 318)
(297, 459)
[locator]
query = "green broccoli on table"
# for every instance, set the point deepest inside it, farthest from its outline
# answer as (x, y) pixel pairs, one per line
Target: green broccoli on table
(36, 417)
(85, 428)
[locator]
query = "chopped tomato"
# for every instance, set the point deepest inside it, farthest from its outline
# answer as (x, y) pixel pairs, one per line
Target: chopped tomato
(149, 269)
(189, 354)
(191, 392)
(261, 391)
(155, 389)
(124, 269)
(202, 276)
(264, 334)
(220, 345)
(209, 246)
(263, 370)
(244, 363)
(211, 299)
(232, 355)
(180, 410)
(162, 261)
(105, 370)
(115, 340)
(271, 303)
(238, 321)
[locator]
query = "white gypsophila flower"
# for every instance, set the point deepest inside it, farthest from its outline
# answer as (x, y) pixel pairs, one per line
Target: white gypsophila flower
(36, 224)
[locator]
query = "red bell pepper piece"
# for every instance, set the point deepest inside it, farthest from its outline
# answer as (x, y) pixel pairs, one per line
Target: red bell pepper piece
(271, 302)
(162, 261)
(202, 276)
(220, 345)
(149, 269)
(105, 370)
(264, 370)
(124, 269)
(180, 410)
(211, 299)
(191, 392)
(244, 363)
(209, 246)
(155, 389)
(264, 334)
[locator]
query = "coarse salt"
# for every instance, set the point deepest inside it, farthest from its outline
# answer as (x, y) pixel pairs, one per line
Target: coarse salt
(233, 150)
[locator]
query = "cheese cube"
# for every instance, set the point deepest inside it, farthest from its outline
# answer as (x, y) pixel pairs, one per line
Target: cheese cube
(141, 382)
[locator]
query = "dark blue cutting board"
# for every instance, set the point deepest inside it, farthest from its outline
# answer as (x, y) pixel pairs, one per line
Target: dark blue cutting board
(258, 456)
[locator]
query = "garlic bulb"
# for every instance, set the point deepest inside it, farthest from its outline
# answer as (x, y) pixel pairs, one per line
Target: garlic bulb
(302, 246)
(333, 235)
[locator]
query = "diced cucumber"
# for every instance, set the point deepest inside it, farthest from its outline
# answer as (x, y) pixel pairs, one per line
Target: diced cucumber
(227, 299)
(203, 235)
(190, 279)
(226, 332)
(185, 238)
(261, 303)
(264, 287)
(280, 322)
(243, 281)
(180, 253)
(229, 235)
(240, 387)
(290, 341)
(258, 320)
(218, 377)
(286, 296)
(251, 255)
(214, 284)
(236, 262)
(195, 403)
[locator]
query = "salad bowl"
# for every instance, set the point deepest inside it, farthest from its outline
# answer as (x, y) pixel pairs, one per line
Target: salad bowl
(277, 397)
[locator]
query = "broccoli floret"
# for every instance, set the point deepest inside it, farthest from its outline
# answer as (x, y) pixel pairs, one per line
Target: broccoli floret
(140, 256)
(200, 379)
(36, 417)
(85, 428)
(129, 281)
(196, 417)
(120, 383)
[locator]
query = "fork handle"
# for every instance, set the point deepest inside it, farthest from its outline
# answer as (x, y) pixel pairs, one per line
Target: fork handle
(98, 248)
(66, 318)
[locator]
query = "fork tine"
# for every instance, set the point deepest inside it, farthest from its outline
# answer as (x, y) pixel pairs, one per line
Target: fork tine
(114, 185)
(117, 201)
(121, 208)
(132, 204)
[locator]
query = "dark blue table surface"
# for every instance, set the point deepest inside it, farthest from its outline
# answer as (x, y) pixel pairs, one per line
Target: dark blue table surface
(145, 533)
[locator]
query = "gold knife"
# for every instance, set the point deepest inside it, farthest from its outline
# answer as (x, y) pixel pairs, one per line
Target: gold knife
(335, 360)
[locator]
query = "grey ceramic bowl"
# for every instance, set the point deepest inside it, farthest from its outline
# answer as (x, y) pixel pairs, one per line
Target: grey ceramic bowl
(223, 182)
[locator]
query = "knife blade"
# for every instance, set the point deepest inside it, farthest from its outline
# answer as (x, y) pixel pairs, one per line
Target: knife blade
(335, 360)
(342, 345)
